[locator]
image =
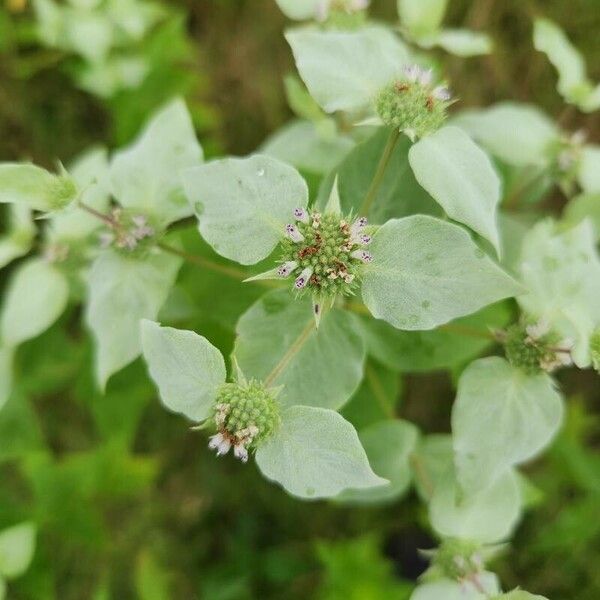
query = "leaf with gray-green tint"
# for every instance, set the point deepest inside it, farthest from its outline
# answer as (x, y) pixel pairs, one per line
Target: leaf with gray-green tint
(299, 9)
(17, 546)
(518, 134)
(122, 291)
(146, 175)
(460, 42)
(36, 296)
(448, 589)
(589, 169)
(431, 460)
(520, 595)
(277, 341)
(459, 175)
(34, 187)
(18, 239)
(185, 366)
(447, 347)
(243, 204)
(398, 195)
(426, 272)
(388, 445)
(344, 70)
(561, 270)
(501, 418)
(315, 453)
(487, 517)
(302, 145)
(582, 207)
(421, 17)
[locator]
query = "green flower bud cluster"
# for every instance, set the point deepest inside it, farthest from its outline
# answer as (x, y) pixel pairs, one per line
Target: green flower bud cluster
(411, 104)
(458, 559)
(246, 411)
(325, 253)
(130, 233)
(535, 348)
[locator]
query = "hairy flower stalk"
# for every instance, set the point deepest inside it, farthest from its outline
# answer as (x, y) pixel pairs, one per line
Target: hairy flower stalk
(535, 347)
(245, 414)
(413, 104)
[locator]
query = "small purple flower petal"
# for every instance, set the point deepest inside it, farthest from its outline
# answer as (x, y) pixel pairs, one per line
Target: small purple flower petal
(301, 214)
(293, 233)
(286, 268)
(363, 255)
(303, 278)
(441, 93)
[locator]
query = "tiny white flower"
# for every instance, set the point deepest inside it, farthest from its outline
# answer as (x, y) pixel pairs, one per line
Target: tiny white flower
(362, 239)
(412, 72)
(357, 226)
(219, 443)
(425, 77)
(293, 233)
(301, 214)
(240, 451)
(316, 220)
(286, 268)
(441, 93)
(363, 255)
(538, 330)
(303, 278)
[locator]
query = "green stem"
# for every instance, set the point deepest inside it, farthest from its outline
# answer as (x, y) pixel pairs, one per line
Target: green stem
(380, 172)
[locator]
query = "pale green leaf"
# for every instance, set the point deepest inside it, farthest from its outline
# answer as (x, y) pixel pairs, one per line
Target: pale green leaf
(116, 73)
(584, 206)
(243, 204)
(388, 445)
(146, 175)
(316, 453)
(301, 145)
(277, 340)
(447, 589)
(133, 17)
(431, 460)
(518, 134)
(520, 595)
(573, 83)
(89, 34)
(561, 271)
(36, 296)
(17, 545)
(426, 272)
(90, 173)
(49, 22)
(459, 175)
(185, 366)
(19, 238)
(6, 374)
(122, 291)
(299, 10)
(344, 70)
(32, 186)
(589, 169)
(501, 417)
(460, 42)
(487, 517)
(421, 17)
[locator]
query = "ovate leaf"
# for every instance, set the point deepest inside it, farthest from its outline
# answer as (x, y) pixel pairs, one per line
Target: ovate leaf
(146, 175)
(421, 17)
(243, 204)
(388, 445)
(518, 134)
(520, 595)
(122, 291)
(17, 545)
(447, 589)
(277, 340)
(459, 175)
(426, 272)
(460, 42)
(487, 517)
(344, 70)
(501, 417)
(34, 187)
(185, 366)
(589, 169)
(316, 453)
(36, 296)
(19, 238)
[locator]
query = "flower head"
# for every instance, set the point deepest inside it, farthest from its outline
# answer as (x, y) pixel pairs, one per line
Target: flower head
(127, 232)
(244, 414)
(412, 104)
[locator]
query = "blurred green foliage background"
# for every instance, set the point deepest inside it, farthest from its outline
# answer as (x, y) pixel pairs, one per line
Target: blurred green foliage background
(128, 501)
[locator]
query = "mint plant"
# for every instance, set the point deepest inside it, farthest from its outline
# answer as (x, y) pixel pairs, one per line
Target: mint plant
(407, 254)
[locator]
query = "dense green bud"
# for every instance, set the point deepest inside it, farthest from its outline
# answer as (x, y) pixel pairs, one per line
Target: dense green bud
(411, 104)
(128, 232)
(535, 348)
(458, 559)
(245, 415)
(62, 191)
(325, 253)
